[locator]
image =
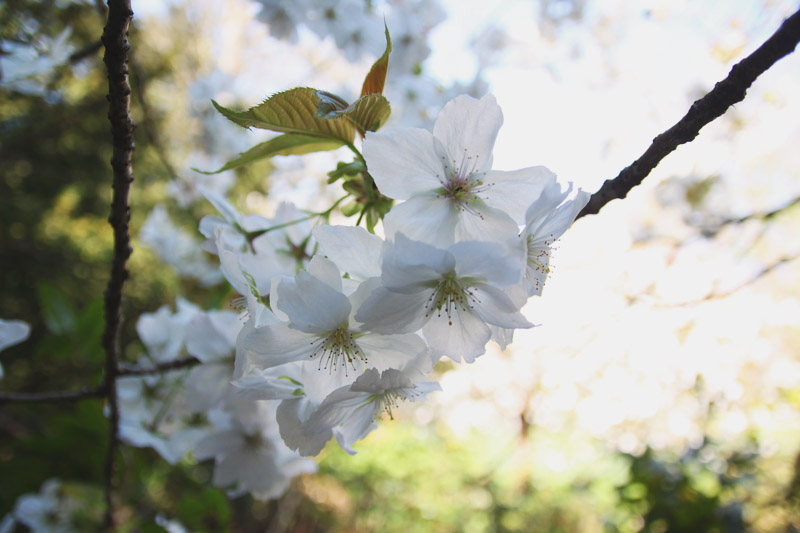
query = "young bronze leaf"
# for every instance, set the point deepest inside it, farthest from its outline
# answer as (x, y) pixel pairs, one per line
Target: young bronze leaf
(373, 83)
(369, 112)
(330, 104)
(286, 144)
(292, 111)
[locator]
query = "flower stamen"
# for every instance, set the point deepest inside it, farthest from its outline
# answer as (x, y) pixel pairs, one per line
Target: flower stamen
(450, 295)
(337, 349)
(462, 183)
(391, 399)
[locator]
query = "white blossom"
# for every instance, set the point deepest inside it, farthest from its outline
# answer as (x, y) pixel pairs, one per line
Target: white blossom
(177, 247)
(453, 294)
(50, 511)
(12, 332)
(545, 221)
(164, 332)
(321, 329)
(451, 192)
(349, 413)
(249, 453)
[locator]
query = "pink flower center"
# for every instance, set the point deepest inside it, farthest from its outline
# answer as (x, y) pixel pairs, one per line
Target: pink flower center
(462, 183)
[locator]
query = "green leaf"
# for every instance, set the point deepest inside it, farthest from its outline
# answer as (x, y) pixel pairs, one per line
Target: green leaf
(368, 113)
(292, 111)
(58, 314)
(373, 83)
(347, 169)
(354, 187)
(351, 208)
(286, 144)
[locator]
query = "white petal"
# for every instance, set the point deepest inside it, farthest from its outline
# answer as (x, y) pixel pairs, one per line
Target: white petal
(547, 220)
(494, 262)
(466, 337)
(312, 305)
(212, 335)
(13, 332)
(353, 249)
(350, 416)
(136, 435)
(514, 191)
(389, 312)
(319, 381)
(206, 386)
(413, 266)
(544, 205)
(502, 336)
(326, 271)
(484, 223)
(425, 217)
(296, 431)
(241, 363)
(391, 351)
(274, 298)
(363, 291)
(278, 344)
(229, 263)
(208, 225)
(493, 306)
(222, 205)
(416, 369)
(402, 161)
(470, 126)
(255, 222)
(263, 267)
(360, 422)
(266, 386)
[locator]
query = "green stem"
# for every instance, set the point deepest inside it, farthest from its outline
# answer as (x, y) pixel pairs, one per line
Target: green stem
(369, 185)
(252, 235)
(357, 152)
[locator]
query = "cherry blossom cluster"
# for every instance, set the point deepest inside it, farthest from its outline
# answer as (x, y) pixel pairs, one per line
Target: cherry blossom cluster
(337, 326)
(361, 326)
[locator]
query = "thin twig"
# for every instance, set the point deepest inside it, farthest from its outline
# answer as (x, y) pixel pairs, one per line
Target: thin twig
(724, 94)
(714, 295)
(710, 225)
(60, 396)
(148, 120)
(86, 51)
(767, 215)
(757, 276)
(116, 45)
(133, 370)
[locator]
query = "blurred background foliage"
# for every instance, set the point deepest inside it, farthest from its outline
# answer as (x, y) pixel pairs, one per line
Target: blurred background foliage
(55, 249)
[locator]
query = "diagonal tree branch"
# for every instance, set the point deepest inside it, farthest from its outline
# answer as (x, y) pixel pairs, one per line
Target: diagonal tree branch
(713, 105)
(60, 396)
(119, 96)
(177, 364)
